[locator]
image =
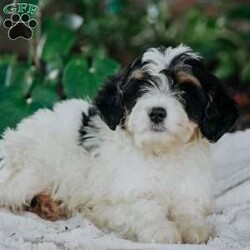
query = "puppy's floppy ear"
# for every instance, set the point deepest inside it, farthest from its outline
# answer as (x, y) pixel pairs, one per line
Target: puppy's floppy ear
(221, 113)
(109, 103)
(109, 99)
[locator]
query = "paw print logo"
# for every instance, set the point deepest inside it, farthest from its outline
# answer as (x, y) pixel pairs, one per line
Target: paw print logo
(20, 26)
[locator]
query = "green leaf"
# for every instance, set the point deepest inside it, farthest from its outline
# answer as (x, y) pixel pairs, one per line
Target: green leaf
(81, 81)
(55, 64)
(44, 96)
(57, 40)
(13, 108)
(104, 67)
(19, 77)
(77, 80)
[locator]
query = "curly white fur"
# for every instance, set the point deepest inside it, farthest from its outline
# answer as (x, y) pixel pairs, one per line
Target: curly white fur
(140, 196)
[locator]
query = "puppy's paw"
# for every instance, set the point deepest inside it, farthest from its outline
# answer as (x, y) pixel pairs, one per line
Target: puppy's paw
(160, 233)
(195, 231)
(47, 208)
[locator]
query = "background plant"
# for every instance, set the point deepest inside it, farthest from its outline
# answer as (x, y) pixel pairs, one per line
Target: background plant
(79, 43)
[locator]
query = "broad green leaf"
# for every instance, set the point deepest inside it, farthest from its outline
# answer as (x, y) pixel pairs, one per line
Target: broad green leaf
(104, 67)
(55, 64)
(13, 108)
(57, 40)
(81, 81)
(19, 77)
(44, 96)
(77, 80)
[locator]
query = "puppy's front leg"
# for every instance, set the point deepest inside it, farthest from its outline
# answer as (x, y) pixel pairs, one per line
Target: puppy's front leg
(143, 221)
(192, 223)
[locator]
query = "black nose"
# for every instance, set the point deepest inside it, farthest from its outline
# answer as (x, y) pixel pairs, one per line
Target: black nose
(157, 114)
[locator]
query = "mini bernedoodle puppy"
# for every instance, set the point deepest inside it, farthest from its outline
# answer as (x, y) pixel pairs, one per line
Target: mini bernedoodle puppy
(136, 162)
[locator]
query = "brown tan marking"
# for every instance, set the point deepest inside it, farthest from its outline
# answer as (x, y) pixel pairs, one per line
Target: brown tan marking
(47, 208)
(185, 78)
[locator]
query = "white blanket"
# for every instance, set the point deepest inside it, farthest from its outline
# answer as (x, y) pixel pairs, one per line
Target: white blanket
(231, 220)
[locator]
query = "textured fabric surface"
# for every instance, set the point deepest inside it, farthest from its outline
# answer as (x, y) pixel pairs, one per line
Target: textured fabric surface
(231, 156)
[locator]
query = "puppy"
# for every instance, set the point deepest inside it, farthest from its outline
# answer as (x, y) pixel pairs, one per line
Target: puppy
(137, 161)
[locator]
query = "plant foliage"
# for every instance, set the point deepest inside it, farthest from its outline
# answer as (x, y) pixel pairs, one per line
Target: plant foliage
(78, 44)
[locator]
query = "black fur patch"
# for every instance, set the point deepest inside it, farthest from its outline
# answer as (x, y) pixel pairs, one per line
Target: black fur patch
(191, 95)
(119, 97)
(194, 101)
(134, 89)
(209, 106)
(109, 103)
(118, 94)
(86, 125)
(221, 113)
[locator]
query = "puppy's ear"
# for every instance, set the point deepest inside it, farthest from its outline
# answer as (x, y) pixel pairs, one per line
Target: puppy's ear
(109, 99)
(221, 112)
(109, 102)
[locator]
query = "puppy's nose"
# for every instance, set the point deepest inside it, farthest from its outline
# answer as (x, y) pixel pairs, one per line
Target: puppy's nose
(157, 114)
